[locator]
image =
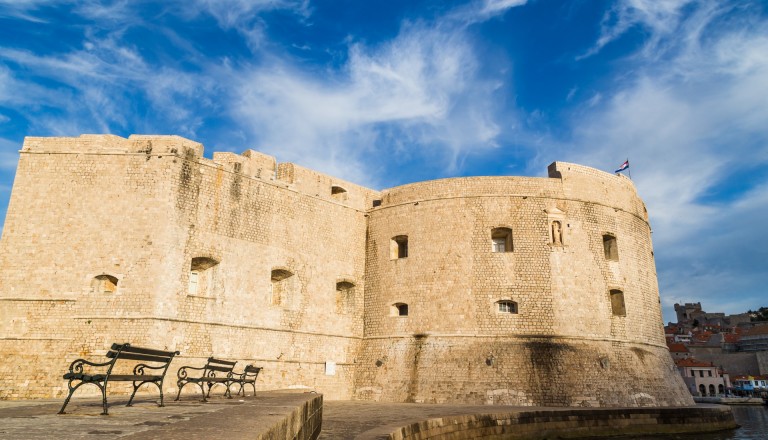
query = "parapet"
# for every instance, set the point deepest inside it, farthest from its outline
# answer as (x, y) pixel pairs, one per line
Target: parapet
(321, 185)
(251, 163)
(591, 185)
(111, 144)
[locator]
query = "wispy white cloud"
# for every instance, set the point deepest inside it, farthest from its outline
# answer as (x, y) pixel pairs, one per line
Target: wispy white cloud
(423, 86)
(690, 112)
(661, 18)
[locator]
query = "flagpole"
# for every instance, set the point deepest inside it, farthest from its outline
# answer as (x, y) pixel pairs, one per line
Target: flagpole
(629, 169)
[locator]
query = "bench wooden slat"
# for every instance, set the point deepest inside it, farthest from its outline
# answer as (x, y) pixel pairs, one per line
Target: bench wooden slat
(140, 357)
(221, 361)
(134, 377)
(149, 351)
(218, 368)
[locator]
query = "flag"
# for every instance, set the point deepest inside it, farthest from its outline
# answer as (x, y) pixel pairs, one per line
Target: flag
(623, 166)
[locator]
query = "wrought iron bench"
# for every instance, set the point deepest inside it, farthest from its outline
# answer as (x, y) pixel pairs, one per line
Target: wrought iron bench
(83, 372)
(248, 376)
(215, 371)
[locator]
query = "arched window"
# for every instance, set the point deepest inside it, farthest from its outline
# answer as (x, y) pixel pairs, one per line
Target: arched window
(711, 390)
(506, 306)
(617, 303)
(702, 390)
(202, 276)
(610, 247)
(282, 285)
(398, 247)
(104, 284)
(338, 193)
(399, 309)
(720, 389)
(501, 240)
(345, 297)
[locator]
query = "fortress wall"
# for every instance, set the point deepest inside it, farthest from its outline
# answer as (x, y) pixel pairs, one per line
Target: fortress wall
(523, 372)
(287, 268)
(142, 218)
(565, 345)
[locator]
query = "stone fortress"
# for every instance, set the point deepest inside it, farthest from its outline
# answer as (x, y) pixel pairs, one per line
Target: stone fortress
(481, 290)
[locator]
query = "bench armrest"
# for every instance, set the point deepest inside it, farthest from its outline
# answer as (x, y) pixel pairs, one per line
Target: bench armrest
(139, 368)
(182, 373)
(77, 365)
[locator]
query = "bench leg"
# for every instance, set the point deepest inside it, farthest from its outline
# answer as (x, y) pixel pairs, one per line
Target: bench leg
(103, 398)
(133, 394)
(202, 388)
(180, 385)
(69, 396)
(160, 385)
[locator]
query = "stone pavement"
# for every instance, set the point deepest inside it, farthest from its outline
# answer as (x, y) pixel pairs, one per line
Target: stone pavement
(358, 420)
(187, 419)
(238, 418)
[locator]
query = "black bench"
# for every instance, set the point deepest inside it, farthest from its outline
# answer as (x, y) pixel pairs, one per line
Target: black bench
(215, 371)
(80, 371)
(248, 376)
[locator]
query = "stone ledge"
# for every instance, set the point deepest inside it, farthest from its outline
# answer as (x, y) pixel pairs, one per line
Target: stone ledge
(570, 423)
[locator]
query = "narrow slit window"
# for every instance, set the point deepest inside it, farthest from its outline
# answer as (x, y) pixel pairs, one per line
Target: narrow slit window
(399, 247)
(202, 276)
(104, 284)
(506, 306)
(280, 289)
(338, 192)
(501, 240)
(617, 303)
(400, 309)
(345, 297)
(610, 247)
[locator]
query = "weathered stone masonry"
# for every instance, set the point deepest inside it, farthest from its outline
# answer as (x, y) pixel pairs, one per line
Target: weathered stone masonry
(497, 290)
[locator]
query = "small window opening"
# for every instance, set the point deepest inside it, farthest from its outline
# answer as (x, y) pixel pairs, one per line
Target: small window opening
(400, 309)
(610, 247)
(338, 192)
(201, 276)
(501, 240)
(506, 306)
(617, 303)
(282, 280)
(399, 247)
(104, 284)
(345, 297)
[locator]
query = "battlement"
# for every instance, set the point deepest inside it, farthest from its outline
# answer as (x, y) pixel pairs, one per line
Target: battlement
(250, 163)
(111, 144)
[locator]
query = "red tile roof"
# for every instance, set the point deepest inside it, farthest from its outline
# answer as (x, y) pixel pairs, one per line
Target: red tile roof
(757, 330)
(702, 337)
(691, 362)
(677, 348)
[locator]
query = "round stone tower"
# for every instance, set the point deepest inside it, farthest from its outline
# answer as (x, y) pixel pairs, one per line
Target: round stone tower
(516, 291)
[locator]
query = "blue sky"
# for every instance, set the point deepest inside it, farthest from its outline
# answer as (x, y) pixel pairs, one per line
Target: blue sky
(386, 93)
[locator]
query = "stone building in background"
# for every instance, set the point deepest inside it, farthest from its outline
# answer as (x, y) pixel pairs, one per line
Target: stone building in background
(483, 290)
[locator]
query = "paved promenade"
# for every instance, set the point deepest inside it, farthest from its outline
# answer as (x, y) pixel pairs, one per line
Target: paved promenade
(242, 418)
